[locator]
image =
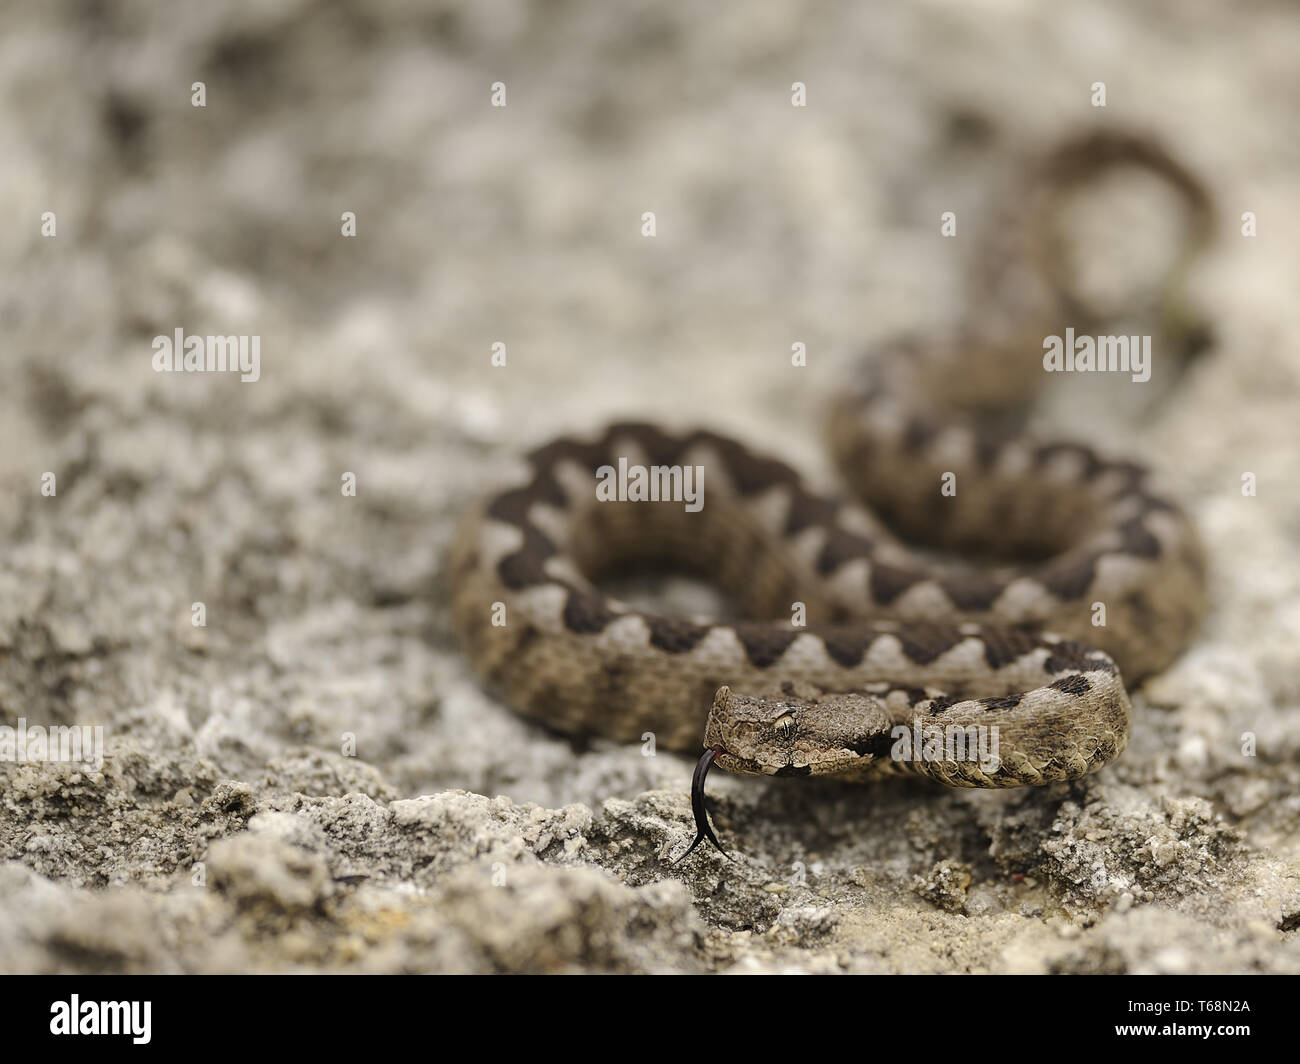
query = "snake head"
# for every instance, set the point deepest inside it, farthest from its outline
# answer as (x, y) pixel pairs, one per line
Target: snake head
(789, 735)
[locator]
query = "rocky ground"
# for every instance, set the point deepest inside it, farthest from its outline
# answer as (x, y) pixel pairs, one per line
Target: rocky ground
(314, 781)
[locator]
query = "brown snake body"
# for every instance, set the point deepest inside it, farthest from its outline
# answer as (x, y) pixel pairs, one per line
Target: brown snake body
(894, 644)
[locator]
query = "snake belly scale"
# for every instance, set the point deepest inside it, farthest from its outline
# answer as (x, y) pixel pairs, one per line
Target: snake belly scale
(893, 638)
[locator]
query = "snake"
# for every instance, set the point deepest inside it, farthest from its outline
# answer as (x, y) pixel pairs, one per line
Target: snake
(969, 610)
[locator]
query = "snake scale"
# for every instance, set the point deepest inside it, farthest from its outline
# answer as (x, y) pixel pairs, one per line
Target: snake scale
(889, 639)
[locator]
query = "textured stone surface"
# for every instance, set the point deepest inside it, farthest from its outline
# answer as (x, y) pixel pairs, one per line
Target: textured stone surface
(314, 781)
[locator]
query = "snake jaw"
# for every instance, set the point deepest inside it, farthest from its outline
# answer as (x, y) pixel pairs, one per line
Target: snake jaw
(703, 830)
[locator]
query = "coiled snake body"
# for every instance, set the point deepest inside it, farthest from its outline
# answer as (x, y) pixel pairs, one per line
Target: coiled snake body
(892, 640)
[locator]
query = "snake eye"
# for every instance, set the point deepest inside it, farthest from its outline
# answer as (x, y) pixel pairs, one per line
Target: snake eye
(784, 725)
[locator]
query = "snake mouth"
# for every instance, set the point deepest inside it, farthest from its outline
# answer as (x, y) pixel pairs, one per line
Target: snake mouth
(729, 761)
(703, 830)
